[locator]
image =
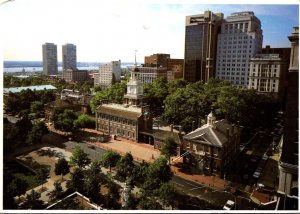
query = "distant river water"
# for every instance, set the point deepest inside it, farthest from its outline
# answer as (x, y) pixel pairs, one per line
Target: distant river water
(37, 69)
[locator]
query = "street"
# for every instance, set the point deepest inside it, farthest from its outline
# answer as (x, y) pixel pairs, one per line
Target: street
(214, 197)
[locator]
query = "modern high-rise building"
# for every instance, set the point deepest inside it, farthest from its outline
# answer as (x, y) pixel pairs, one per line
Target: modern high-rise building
(201, 33)
(240, 39)
(49, 59)
(69, 60)
(289, 159)
(108, 73)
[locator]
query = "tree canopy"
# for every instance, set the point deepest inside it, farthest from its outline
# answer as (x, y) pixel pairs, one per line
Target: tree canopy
(62, 167)
(79, 158)
(113, 94)
(110, 159)
(125, 166)
(169, 148)
(37, 132)
(84, 121)
(64, 120)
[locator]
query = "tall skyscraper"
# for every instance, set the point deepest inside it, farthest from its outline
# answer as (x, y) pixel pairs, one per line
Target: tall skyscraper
(240, 39)
(49, 59)
(69, 60)
(201, 33)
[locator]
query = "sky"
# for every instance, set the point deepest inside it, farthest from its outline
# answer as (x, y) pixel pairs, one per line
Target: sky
(111, 30)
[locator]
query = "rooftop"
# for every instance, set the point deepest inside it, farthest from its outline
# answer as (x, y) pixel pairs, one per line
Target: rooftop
(126, 111)
(215, 135)
(36, 87)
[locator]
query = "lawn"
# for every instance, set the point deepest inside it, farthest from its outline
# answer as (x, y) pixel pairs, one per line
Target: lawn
(17, 170)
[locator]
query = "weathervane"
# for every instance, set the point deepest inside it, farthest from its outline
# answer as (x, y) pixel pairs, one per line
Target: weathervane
(135, 57)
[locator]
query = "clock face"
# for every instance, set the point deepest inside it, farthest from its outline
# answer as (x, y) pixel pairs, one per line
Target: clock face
(131, 89)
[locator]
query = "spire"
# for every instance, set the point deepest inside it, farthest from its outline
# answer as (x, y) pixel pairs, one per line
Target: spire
(135, 58)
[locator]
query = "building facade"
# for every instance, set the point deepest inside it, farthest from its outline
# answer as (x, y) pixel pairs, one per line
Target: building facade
(212, 147)
(267, 74)
(149, 74)
(49, 59)
(157, 60)
(123, 120)
(75, 75)
(289, 159)
(69, 58)
(108, 73)
(240, 39)
(201, 33)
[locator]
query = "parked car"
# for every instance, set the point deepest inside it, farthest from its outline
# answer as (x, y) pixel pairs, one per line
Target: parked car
(229, 205)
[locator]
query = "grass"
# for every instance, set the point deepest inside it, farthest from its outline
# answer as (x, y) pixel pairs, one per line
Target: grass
(19, 171)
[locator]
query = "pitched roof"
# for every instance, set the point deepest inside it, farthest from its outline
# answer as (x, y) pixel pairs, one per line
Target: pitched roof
(129, 112)
(162, 134)
(215, 135)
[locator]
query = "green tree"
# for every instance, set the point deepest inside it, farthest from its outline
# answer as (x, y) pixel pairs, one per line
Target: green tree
(113, 94)
(149, 203)
(79, 157)
(139, 172)
(57, 192)
(76, 182)
(113, 196)
(64, 120)
(169, 148)
(166, 194)
(175, 84)
(37, 109)
(93, 180)
(43, 174)
(36, 134)
(125, 166)
(18, 187)
(158, 172)
(156, 94)
(62, 167)
(25, 125)
(33, 202)
(84, 121)
(110, 159)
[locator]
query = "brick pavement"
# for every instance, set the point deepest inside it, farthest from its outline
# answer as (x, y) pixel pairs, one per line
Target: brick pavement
(139, 151)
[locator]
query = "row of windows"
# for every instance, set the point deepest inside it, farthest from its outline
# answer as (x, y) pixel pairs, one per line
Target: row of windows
(117, 119)
(234, 56)
(234, 51)
(232, 69)
(118, 131)
(233, 60)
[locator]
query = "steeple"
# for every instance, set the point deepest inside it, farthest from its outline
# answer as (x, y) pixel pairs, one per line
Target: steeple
(211, 118)
(135, 89)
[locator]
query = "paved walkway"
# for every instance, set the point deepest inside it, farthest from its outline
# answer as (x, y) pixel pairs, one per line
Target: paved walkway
(139, 151)
(210, 181)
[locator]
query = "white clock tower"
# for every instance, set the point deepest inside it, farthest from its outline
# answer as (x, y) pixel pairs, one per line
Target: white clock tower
(135, 88)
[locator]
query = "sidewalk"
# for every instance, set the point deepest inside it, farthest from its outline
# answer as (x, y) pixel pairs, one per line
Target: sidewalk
(210, 181)
(139, 151)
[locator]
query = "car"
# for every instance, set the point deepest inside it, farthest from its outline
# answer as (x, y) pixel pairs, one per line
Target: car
(256, 174)
(229, 205)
